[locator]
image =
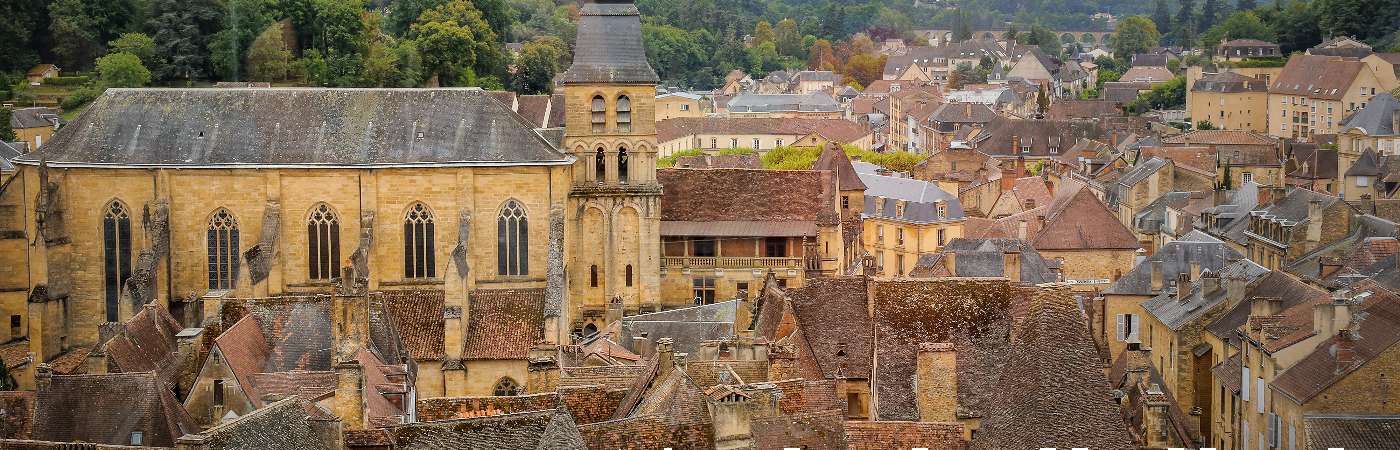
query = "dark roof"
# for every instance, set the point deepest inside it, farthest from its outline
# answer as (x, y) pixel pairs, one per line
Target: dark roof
(1365, 165)
(747, 195)
(1004, 137)
(107, 408)
(714, 312)
(1376, 119)
(297, 333)
(1317, 76)
(834, 316)
(1052, 392)
(921, 199)
(1176, 257)
(146, 343)
(1353, 431)
(1081, 109)
(535, 109)
(609, 48)
(279, 426)
(296, 127)
(557, 108)
(949, 115)
(1146, 60)
(1314, 162)
(1376, 317)
(503, 324)
(38, 117)
(550, 429)
(985, 257)
(1088, 225)
(1276, 284)
(820, 430)
(1169, 309)
(18, 421)
(833, 158)
(1229, 83)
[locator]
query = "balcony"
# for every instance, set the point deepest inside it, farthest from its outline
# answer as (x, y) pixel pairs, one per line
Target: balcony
(730, 262)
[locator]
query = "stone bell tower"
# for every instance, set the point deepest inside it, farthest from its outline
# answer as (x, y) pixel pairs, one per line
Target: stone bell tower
(615, 200)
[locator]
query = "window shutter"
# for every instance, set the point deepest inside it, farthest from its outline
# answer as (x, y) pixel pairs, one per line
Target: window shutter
(1244, 390)
(1134, 326)
(1259, 398)
(1120, 328)
(1273, 430)
(1245, 434)
(1292, 437)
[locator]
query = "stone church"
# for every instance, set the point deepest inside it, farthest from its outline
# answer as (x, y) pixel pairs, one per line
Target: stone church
(191, 197)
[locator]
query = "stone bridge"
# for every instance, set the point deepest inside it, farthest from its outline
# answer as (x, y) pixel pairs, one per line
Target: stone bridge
(1086, 37)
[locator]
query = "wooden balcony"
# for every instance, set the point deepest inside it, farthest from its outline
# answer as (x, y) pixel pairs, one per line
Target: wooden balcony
(730, 262)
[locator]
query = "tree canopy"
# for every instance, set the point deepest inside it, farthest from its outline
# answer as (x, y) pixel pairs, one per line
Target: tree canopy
(1134, 35)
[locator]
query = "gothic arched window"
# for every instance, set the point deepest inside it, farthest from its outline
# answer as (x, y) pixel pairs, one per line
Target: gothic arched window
(506, 387)
(624, 114)
(512, 241)
(323, 242)
(223, 250)
(629, 275)
(418, 260)
(116, 240)
(600, 115)
(622, 164)
(600, 165)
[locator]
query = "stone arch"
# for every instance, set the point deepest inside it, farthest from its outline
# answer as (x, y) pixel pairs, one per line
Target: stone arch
(627, 248)
(222, 241)
(1088, 38)
(988, 35)
(1067, 38)
(513, 238)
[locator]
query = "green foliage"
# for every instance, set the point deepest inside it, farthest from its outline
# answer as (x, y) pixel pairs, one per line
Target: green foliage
(1160, 17)
(137, 44)
(1256, 62)
(7, 381)
(535, 68)
(1045, 39)
(245, 22)
(7, 134)
(122, 70)
(763, 33)
(18, 22)
(1241, 25)
(65, 81)
(1168, 95)
(670, 161)
(80, 97)
(788, 37)
(801, 158)
(1227, 181)
(674, 53)
(1185, 26)
(1205, 124)
(456, 44)
(1042, 101)
(183, 30)
(737, 151)
(79, 27)
(1134, 35)
(268, 57)
(966, 74)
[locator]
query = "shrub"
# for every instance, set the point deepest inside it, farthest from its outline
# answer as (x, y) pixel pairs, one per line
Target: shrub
(65, 81)
(79, 98)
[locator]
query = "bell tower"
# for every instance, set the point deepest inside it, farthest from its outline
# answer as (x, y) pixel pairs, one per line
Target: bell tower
(614, 199)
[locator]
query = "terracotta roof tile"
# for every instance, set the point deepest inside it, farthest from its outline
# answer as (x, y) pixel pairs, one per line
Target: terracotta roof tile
(284, 425)
(1084, 224)
(822, 430)
(246, 352)
(307, 385)
(419, 316)
(746, 195)
(15, 353)
(18, 421)
(834, 159)
(1372, 333)
(1317, 76)
(72, 362)
(1326, 431)
(535, 109)
(503, 324)
(832, 313)
(146, 343)
(81, 408)
(864, 435)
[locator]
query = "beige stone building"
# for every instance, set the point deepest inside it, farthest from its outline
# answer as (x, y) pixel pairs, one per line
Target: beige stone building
(1230, 101)
(670, 106)
(1313, 93)
(905, 219)
(34, 126)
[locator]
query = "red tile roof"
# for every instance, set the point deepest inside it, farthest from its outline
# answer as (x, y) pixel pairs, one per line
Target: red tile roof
(146, 343)
(1084, 223)
(246, 352)
(1372, 334)
(419, 316)
(1219, 137)
(503, 323)
(747, 195)
(834, 159)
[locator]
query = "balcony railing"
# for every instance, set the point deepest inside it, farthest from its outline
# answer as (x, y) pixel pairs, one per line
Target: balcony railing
(731, 262)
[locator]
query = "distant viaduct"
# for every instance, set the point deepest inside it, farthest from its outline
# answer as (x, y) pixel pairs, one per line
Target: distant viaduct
(937, 37)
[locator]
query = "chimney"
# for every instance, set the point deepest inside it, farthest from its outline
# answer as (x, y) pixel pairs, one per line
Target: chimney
(614, 313)
(1234, 290)
(1040, 220)
(1020, 167)
(1218, 196)
(1021, 229)
(1279, 192)
(1195, 270)
(1345, 356)
(782, 362)
(1134, 342)
(1368, 205)
(665, 356)
(1156, 418)
(1011, 265)
(1156, 276)
(951, 258)
(731, 417)
(43, 377)
(936, 382)
(969, 111)
(350, 394)
(1183, 287)
(543, 371)
(1314, 220)
(1265, 306)
(1210, 283)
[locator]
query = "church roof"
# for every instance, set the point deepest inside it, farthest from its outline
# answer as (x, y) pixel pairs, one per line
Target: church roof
(609, 48)
(296, 127)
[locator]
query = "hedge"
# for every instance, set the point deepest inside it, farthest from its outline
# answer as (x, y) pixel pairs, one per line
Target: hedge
(66, 81)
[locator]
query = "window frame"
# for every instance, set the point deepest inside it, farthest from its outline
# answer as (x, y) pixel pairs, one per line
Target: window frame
(323, 243)
(419, 236)
(221, 239)
(117, 256)
(512, 239)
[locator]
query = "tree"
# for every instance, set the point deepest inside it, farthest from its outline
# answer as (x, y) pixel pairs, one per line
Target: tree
(341, 27)
(73, 47)
(268, 57)
(182, 30)
(1353, 18)
(965, 74)
(535, 68)
(1204, 124)
(865, 68)
(1211, 13)
(137, 44)
(1134, 35)
(1246, 5)
(789, 39)
(405, 13)
(1186, 23)
(672, 51)
(18, 20)
(1043, 38)
(122, 70)
(1012, 34)
(1042, 101)
(834, 25)
(822, 58)
(1241, 25)
(7, 381)
(7, 134)
(245, 21)
(763, 32)
(1161, 17)
(457, 45)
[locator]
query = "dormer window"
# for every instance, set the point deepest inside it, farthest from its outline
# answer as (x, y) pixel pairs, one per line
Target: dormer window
(600, 115)
(899, 210)
(624, 114)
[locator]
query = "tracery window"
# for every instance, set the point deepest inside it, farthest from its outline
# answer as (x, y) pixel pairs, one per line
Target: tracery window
(116, 240)
(418, 258)
(512, 240)
(506, 387)
(223, 250)
(322, 243)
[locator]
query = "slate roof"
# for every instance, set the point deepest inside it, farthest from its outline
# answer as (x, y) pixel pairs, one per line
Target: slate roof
(1229, 83)
(279, 426)
(1004, 137)
(107, 408)
(833, 158)
(1149, 60)
(844, 131)
(1141, 171)
(1353, 431)
(1152, 218)
(747, 195)
(921, 199)
(1364, 229)
(1317, 76)
(1084, 223)
(296, 127)
(1174, 313)
(503, 324)
(609, 46)
(551, 429)
(1052, 392)
(309, 385)
(37, 117)
(834, 316)
(1366, 165)
(686, 335)
(714, 312)
(985, 257)
(1176, 257)
(1376, 119)
(949, 115)
(750, 102)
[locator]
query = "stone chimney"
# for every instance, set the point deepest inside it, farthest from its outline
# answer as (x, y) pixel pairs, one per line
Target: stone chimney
(1021, 229)
(1156, 418)
(1345, 355)
(731, 414)
(1210, 282)
(969, 111)
(951, 262)
(43, 376)
(1234, 290)
(614, 313)
(1011, 265)
(1314, 220)
(1183, 287)
(1195, 270)
(782, 362)
(936, 382)
(1330, 317)
(1277, 194)
(1134, 342)
(350, 394)
(543, 371)
(665, 356)
(1156, 276)
(1265, 306)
